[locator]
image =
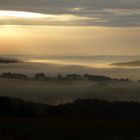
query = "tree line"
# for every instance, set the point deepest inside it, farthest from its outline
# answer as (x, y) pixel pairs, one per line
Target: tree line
(43, 77)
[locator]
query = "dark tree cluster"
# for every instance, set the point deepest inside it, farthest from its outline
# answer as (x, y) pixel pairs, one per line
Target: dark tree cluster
(13, 75)
(18, 107)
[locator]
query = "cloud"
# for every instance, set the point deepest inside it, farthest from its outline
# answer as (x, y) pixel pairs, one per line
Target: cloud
(30, 18)
(107, 13)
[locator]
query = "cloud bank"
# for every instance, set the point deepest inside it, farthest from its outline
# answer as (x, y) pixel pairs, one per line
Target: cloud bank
(112, 13)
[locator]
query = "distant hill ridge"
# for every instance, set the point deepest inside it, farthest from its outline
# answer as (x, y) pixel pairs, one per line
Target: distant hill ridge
(8, 60)
(131, 64)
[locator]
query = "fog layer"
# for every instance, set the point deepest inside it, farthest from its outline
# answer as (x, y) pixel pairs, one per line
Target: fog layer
(67, 91)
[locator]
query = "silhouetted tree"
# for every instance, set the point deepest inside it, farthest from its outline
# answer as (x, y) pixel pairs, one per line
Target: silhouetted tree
(73, 76)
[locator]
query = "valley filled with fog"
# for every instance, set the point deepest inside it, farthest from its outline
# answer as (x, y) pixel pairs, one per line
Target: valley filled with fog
(56, 92)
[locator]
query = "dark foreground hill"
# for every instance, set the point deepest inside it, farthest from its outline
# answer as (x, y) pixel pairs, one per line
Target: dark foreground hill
(80, 120)
(89, 108)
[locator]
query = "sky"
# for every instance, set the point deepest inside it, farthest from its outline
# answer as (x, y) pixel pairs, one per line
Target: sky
(70, 27)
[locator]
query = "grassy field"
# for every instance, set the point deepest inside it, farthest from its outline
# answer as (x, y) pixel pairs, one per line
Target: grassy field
(68, 129)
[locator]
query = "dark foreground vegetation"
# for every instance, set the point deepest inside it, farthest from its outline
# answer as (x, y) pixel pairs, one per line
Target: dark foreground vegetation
(88, 108)
(89, 119)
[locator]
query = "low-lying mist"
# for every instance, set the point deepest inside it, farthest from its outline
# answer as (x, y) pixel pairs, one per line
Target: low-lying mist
(54, 92)
(51, 69)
